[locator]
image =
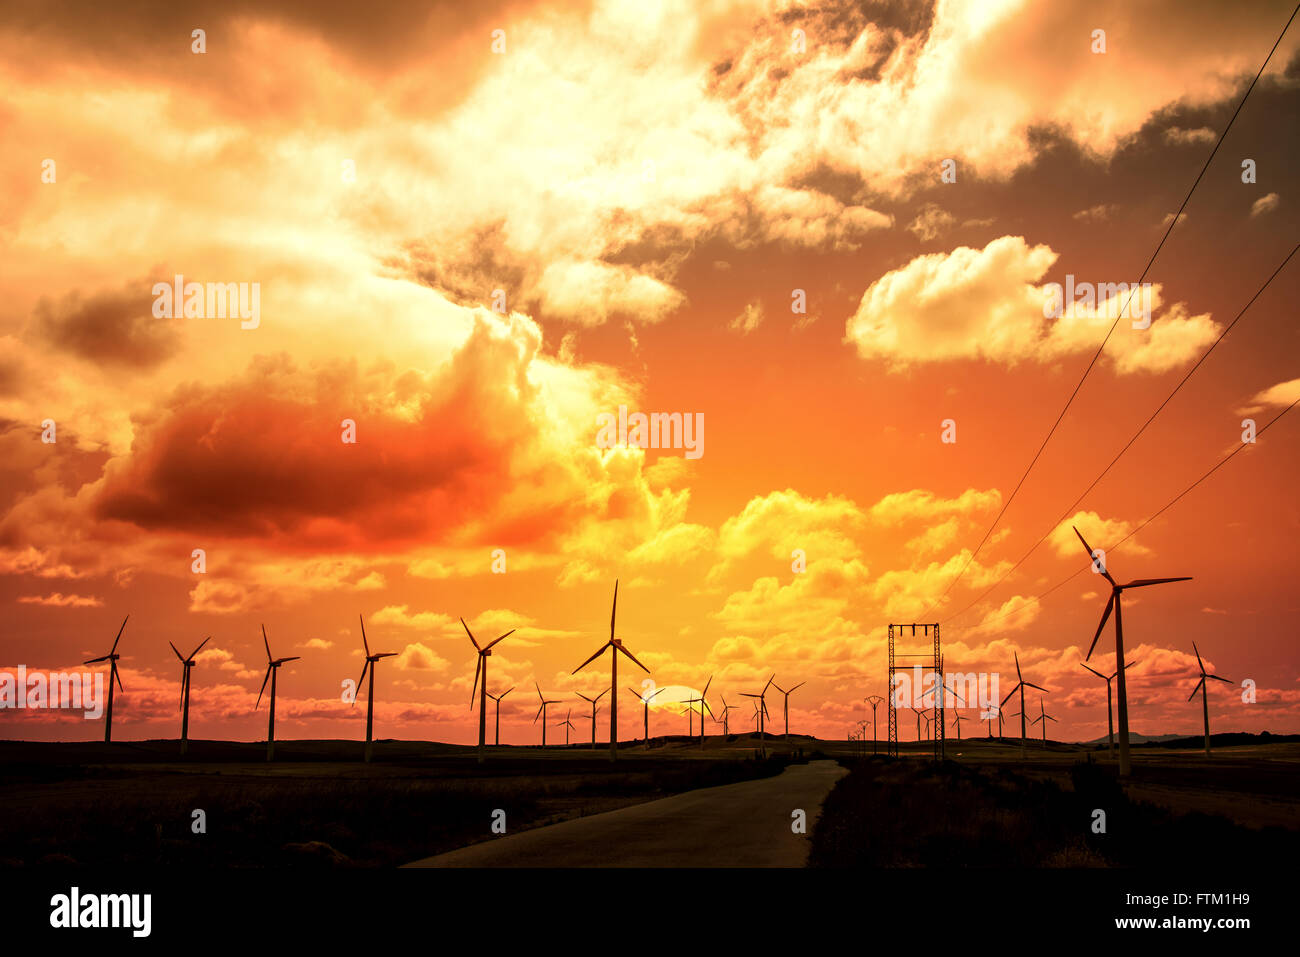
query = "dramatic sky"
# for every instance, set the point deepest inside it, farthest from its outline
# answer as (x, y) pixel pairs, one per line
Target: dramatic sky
(472, 244)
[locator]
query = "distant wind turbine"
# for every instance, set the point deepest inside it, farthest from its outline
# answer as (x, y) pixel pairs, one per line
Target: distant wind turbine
(704, 706)
(567, 725)
(272, 669)
(919, 713)
(762, 709)
(186, 665)
(594, 709)
(541, 712)
(616, 648)
(111, 658)
(497, 698)
(1110, 717)
(1044, 717)
(484, 653)
(1021, 685)
(646, 698)
(370, 692)
(1116, 590)
(726, 723)
(1201, 686)
(786, 704)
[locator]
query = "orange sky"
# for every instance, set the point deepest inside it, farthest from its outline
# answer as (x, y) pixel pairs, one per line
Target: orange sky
(647, 185)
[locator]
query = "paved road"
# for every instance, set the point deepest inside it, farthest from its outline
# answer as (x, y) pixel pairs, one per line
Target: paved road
(737, 825)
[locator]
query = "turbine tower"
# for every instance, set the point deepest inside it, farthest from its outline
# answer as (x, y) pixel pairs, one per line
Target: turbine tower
(484, 653)
(1201, 686)
(726, 723)
(111, 658)
(497, 698)
(1110, 717)
(370, 693)
(645, 700)
(919, 713)
(541, 712)
(616, 648)
(186, 665)
(786, 704)
(272, 669)
(1021, 685)
(1044, 717)
(594, 709)
(1116, 591)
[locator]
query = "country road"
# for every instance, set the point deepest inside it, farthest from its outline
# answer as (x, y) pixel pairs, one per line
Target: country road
(737, 825)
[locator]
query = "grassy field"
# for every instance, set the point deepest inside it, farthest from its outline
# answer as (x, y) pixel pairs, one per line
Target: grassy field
(988, 807)
(317, 805)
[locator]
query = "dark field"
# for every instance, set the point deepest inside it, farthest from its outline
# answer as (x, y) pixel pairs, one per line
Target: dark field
(1236, 810)
(317, 805)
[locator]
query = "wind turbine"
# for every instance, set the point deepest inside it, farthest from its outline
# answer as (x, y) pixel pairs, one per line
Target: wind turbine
(787, 704)
(594, 709)
(926, 716)
(370, 692)
(567, 725)
(704, 706)
(616, 647)
(272, 669)
(1021, 685)
(484, 653)
(497, 698)
(873, 700)
(1044, 717)
(1205, 706)
(761, 708)
(956, 718)
(918, 722)
(186, 665)
(1116, 590)
(726, 724)
(645, 700)
(1110, 718)
(541, 712)
(111, 658)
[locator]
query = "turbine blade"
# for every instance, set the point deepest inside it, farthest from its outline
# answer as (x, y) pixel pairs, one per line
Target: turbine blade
(592, 658)
(1143, 582)
(1094, 671)
(178, 654)
(1017, 657)
(706, 685)
(502, 638)
(1088, 548)
(264, 681)
(1009, 694)
(613, 611)
(365, 644)
(599, 696)
(290, 658)
(360, 682)
(470, 633)
(1110, 606)
(798, 686)
(1196, 688)
(1199, 663)
(1217, 678)
(478, 664)
(507, 691)
(267, 643)
(618, 648)
(200, 647)
(118, 677)
(1030, 684)
(94, 661)
(119, 636)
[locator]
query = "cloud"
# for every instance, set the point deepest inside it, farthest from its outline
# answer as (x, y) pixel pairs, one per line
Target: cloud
(115, 329)
(420, 657)
(987, 304)
(1100, 532)
(1265, 204)
(931, 222)
(1176, 136)
(1276, 396)
(1096, 214)
(60, 600)
(750, 318)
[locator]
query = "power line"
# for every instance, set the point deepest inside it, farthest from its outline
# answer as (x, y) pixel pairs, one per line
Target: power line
(1092, 362)
(1130, 442)
(1222, 462)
